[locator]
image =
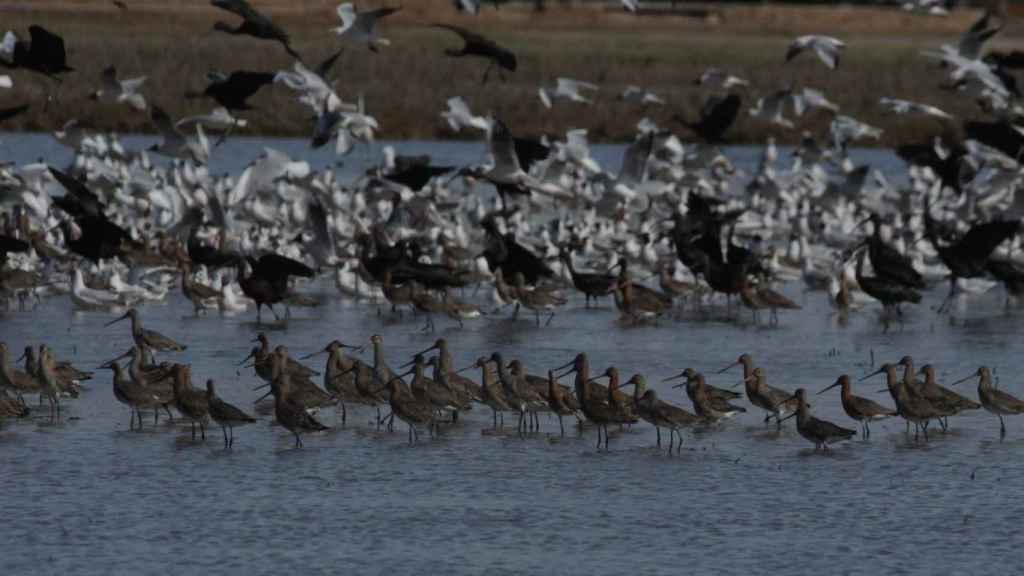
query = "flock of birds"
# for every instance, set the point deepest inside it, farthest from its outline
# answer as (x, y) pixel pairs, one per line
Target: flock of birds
(115, 230)
(436, 400)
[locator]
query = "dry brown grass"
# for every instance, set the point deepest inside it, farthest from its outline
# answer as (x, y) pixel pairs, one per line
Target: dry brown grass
(406, 84)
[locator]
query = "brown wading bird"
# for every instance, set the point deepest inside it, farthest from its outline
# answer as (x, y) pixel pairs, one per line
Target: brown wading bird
(288, 412)
(408, 408)
(148, 340)
(226, 415)
(994, 400)
(659, 413)
(191, 402)
(911, 407)
(819, 432)
(863, 410)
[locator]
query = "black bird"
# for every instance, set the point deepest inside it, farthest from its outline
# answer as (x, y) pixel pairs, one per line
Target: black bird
(529, 151)
(42, 53)
(716, 117)
(253, 24)
(208, 256)
(887, 262)
(1012, 60)
(592, 284)
(999, 135)
(890, 294)
(79, 202)
(267, 284)
(97, 237)
(967, 257)
(479, 46)
(1010, 273)
(8, 113)
(233, 90)
(8, 245)
(505, 253)
(415, 172)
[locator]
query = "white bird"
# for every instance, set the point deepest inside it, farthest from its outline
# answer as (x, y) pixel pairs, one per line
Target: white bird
(116, 91)
(930, 7)
(845, 129)
(468, 6)
(312, 88)
(718, 79)
(641, 96)
(897, 106)
(231, 302)
(826, 47)
(218, 119)
(6, 82)
(568, 89)
(458, 116)
(771, 108)
(631, 5)
(176, 144)
(86, 298)
(361, 27)
(810, 98)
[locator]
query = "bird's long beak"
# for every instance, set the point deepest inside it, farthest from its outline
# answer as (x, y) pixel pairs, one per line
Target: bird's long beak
(830, 387)
(737, 363)
(677, 376)
(596, 378)
(423, 353)
(409, 363)
(794, 413)
(22, 357)
(251, 354)
(470, 367)
(964, 379)
(260, 399)
(261, 387)
(115, 321)
(311, 354)
(876, 372)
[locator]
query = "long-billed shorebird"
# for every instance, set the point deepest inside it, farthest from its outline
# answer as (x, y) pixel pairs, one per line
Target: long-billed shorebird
(659, 413)
(819, 432)
(994, 400)
(911, 407)
(191, 402)
(148, 340)
(863, 410)
(774, 400)
(288, 412)
(226, 415)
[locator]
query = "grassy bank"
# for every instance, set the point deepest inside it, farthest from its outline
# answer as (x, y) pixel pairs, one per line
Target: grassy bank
(406, 84)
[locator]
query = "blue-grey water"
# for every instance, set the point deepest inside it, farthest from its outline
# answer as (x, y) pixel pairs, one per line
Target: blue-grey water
(87, 496)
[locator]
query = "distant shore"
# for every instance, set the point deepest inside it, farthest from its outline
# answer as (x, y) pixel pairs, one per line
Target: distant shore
(405, 86)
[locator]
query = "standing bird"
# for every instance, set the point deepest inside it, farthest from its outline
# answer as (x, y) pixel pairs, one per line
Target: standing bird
(47, 375)
(361, 27)
(190, 402)
(267, 281)
(289, 413)
(481, 47)
(253, 24)
(234, 90)
(863, 410)
(818, 432)
(226, 415)
(825, 47)
(994, 400)
(147, 340)
(968, 256)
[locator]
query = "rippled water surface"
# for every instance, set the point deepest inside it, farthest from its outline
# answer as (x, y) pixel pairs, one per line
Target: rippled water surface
(87, 496)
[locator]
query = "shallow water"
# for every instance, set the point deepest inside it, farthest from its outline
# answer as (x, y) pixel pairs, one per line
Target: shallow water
(89, 497)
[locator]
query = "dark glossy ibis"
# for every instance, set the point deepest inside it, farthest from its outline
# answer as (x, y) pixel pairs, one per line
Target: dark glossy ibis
(8, 245)
(593, 284)
(891, 294)
(967, 256)
(254, 23)
(234, 90)
(267, 282)
(481, 47)
(43, 53)
(887, 262)
(716, 117)
(502, 251)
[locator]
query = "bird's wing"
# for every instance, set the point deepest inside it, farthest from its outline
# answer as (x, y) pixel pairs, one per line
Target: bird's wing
(109, 78)
(379, 13)
(46, 45)
(272, 265)
(467, 36)
(983, 238)
(249, 82)
(347, 13)
(328, 63)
